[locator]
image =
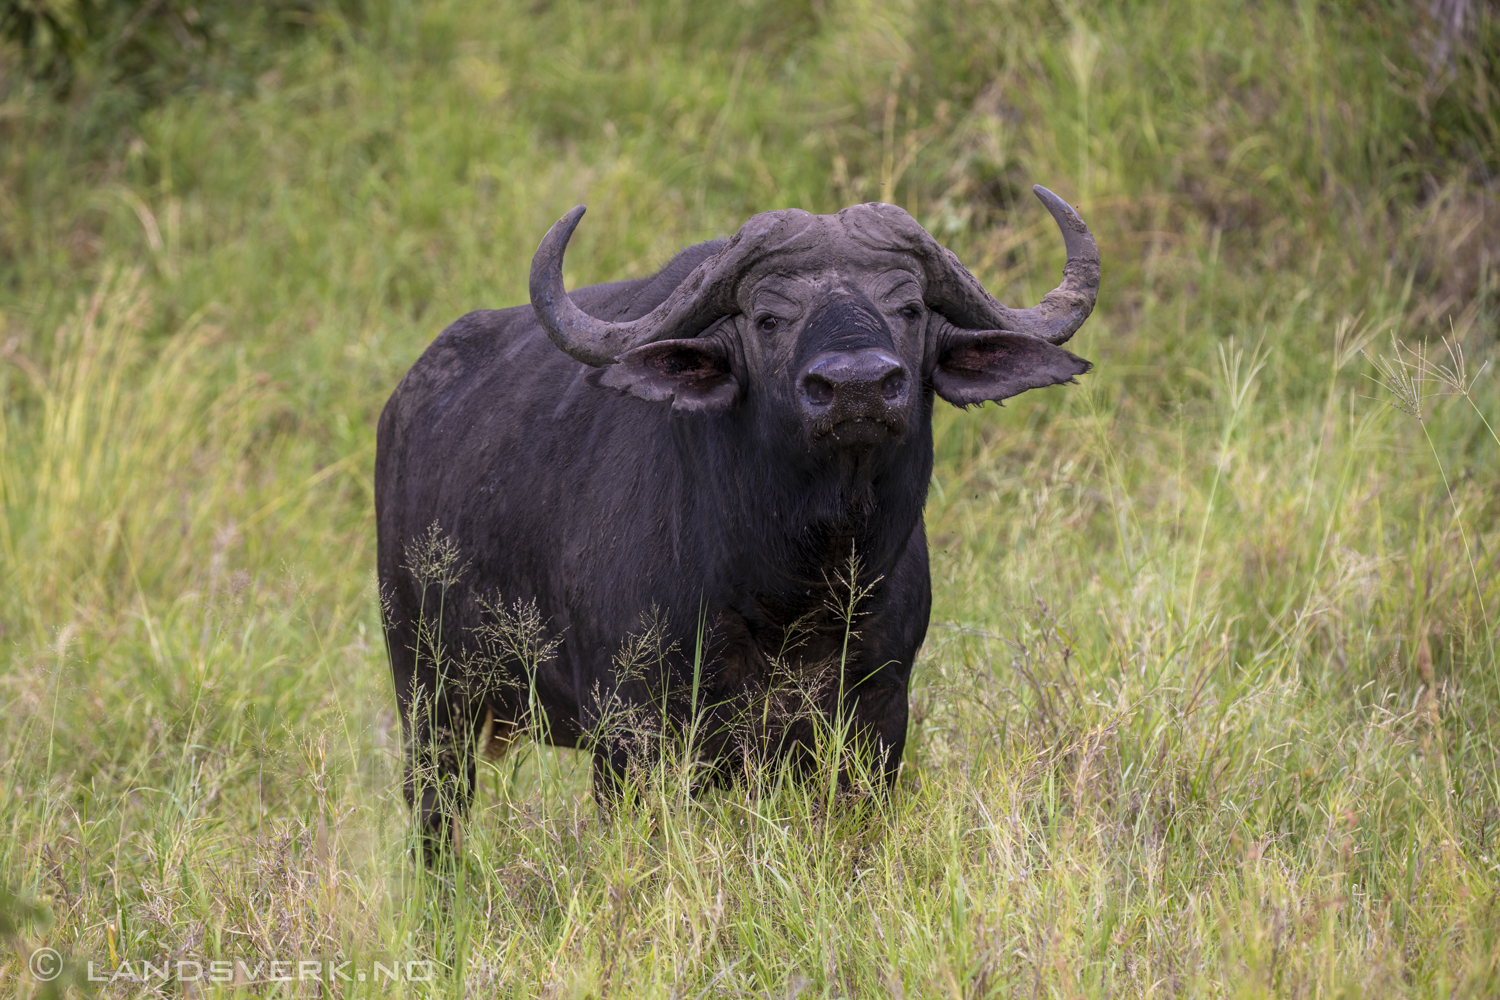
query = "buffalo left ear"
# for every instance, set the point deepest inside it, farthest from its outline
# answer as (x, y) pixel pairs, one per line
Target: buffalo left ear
(694, 374)
(978, 365)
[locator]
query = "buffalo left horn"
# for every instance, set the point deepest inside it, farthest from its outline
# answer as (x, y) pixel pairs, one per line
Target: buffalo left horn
(959, 296)
(1063, 310)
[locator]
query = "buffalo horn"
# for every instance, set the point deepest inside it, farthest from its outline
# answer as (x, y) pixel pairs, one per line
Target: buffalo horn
(704, 296)
(1063, 310)
(707, 294)
(959, 296)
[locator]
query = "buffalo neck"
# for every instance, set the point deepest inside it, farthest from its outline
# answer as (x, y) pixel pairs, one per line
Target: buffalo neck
(791, 517)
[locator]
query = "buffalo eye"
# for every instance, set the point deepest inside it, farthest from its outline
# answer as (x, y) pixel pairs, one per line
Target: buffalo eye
(767, 324)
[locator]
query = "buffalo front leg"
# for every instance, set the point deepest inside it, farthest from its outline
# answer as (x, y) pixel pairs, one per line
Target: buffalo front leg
(878, 710)
(439, 784)
(439, 760)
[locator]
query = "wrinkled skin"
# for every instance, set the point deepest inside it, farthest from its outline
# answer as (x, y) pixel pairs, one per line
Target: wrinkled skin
(724, 478)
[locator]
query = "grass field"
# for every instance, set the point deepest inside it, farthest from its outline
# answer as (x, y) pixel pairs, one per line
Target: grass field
(1210, 704)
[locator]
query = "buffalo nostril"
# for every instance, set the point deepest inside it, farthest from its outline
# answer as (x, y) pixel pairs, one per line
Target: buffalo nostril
(892, 385)
(819, 390)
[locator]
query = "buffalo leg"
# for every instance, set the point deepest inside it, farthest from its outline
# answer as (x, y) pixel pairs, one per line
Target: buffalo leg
(879, 712)
(620, 742)
(439, 784)
(439, 766)
(611, 765)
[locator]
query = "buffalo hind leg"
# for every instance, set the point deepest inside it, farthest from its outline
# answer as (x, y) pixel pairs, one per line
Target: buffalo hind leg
(611, 768)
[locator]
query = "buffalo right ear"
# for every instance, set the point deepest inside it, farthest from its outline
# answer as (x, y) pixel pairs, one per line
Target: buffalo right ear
(694, 374)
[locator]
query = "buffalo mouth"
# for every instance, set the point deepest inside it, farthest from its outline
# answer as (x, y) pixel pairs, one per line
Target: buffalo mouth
(861, 432)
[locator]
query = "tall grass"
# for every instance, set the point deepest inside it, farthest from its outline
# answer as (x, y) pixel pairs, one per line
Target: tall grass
(1210, 704)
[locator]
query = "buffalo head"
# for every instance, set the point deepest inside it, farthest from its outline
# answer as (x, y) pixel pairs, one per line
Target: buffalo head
(834, 323)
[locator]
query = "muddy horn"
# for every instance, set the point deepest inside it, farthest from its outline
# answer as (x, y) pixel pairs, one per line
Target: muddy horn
(1063, 310)
(959, 296)
(705, 296)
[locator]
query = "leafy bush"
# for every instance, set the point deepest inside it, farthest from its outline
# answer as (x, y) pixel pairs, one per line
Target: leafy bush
(149, 48)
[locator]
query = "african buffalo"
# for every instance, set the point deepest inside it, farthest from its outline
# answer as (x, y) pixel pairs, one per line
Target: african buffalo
(722, 457)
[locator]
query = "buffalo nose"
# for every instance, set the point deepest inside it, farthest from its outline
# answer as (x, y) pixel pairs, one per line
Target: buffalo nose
(870, 384)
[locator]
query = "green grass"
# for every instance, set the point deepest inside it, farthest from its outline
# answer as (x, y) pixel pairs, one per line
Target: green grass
(1210, 705)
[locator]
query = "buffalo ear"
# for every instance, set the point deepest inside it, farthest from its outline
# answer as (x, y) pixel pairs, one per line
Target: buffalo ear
(694, 374)
(978, 365)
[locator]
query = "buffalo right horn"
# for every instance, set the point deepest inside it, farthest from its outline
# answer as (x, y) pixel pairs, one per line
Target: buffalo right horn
(704, 296)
